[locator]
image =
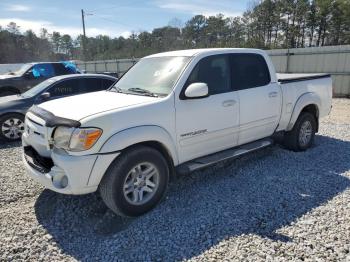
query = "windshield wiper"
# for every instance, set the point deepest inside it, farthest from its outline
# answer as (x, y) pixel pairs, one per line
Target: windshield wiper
(142, 91)
(117, 89)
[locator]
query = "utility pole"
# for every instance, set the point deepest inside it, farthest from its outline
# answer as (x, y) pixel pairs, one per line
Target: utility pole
(84, 34)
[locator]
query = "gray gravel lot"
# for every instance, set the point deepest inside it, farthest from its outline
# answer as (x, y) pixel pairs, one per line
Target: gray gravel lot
(272, 205)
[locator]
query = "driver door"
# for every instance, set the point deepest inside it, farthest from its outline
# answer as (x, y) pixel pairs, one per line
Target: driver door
(37, 74)
(208, 125)
(63, 88)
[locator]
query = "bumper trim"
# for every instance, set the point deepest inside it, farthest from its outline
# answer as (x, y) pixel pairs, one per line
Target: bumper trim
(39, 163)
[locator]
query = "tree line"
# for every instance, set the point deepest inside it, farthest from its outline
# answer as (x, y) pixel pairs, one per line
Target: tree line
(267, 24)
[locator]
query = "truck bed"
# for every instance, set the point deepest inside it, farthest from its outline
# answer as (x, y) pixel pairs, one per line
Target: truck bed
(294, 86)
(288, 78)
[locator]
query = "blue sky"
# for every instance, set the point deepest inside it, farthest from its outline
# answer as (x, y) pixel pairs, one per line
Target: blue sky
(113, 18)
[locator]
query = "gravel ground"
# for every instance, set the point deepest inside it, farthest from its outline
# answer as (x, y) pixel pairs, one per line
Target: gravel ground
(272, 205)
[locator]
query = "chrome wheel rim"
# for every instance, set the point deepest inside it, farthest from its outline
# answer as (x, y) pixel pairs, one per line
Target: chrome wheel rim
(141, 183)
(12, 128)
(305, 133)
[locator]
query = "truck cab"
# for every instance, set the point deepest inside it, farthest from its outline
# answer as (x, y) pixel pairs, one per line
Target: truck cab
(173, 112)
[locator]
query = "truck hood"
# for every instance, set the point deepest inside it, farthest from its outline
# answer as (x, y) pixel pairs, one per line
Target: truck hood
(81, 106)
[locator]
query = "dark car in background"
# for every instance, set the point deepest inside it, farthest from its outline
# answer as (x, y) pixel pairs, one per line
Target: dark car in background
(31, 74)
(13, 108)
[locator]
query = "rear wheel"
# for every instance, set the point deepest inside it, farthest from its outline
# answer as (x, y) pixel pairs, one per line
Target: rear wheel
(302, 135)
(135, 181)
(11, 126)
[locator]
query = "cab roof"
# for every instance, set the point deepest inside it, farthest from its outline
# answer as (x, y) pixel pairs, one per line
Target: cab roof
(195, 52)
(71, 76)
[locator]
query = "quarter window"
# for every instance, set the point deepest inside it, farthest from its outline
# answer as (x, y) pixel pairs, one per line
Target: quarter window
(107, 83)
(249, 71)
(215, 72)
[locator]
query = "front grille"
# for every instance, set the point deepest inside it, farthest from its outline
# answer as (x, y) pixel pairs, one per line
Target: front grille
(36, 161)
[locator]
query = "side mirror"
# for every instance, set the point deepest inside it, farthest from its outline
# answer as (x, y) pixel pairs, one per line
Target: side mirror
(44, 96)
(197, 90)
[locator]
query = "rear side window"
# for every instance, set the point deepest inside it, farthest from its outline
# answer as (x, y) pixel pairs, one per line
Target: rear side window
(92, 84)
(60, 69)
(66, 88)
(249, 71)
(215, 72)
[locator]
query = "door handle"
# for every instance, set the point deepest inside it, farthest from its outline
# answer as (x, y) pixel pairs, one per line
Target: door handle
(273, 94)
(228, 103)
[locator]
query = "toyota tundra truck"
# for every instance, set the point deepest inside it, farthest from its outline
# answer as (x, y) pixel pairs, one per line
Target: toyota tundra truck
(171, 113)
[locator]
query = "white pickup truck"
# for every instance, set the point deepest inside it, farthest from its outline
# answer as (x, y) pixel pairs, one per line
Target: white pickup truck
(172, 112)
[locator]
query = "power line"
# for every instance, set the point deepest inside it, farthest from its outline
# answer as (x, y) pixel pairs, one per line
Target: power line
(130, 3)
(112, 21)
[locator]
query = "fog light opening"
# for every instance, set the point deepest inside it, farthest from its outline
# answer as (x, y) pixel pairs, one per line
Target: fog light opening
(64, 181)
(60, 181)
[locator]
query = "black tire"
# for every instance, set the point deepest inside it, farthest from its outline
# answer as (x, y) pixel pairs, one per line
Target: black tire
(112, 184)
(291, 139)
(3, 132)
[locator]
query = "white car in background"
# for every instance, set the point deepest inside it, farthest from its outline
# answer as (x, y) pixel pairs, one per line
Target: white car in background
(173, 112)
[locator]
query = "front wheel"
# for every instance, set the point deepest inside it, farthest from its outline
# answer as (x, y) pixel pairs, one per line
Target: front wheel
(302, 135)
(11, 126)
(135, 182)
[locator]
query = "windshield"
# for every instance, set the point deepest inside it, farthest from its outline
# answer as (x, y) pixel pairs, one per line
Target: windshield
(38, 88)
(22, 70)
(152, 76)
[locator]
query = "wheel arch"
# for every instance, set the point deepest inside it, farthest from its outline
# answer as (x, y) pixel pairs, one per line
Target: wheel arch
(308, 102)
(160, 148)
(152, 136)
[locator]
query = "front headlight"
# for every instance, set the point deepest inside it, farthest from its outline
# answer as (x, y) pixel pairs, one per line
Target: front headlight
(76, 139)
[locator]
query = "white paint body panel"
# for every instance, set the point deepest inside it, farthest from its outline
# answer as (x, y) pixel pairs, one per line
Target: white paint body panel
(260, 110)
(186, 128)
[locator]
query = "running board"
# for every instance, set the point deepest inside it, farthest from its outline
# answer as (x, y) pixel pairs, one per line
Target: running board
(227, 154)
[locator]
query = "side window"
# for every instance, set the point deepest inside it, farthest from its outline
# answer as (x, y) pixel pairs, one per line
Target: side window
(249, 71)
(92, 84)
(43, 70)
(215, 72)
(65, 88)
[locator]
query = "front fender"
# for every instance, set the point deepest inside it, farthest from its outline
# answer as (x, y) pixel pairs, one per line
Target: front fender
(304, 100)
(139, 134)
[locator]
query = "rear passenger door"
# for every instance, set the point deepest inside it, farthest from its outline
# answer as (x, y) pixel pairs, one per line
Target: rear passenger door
(260, 100)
